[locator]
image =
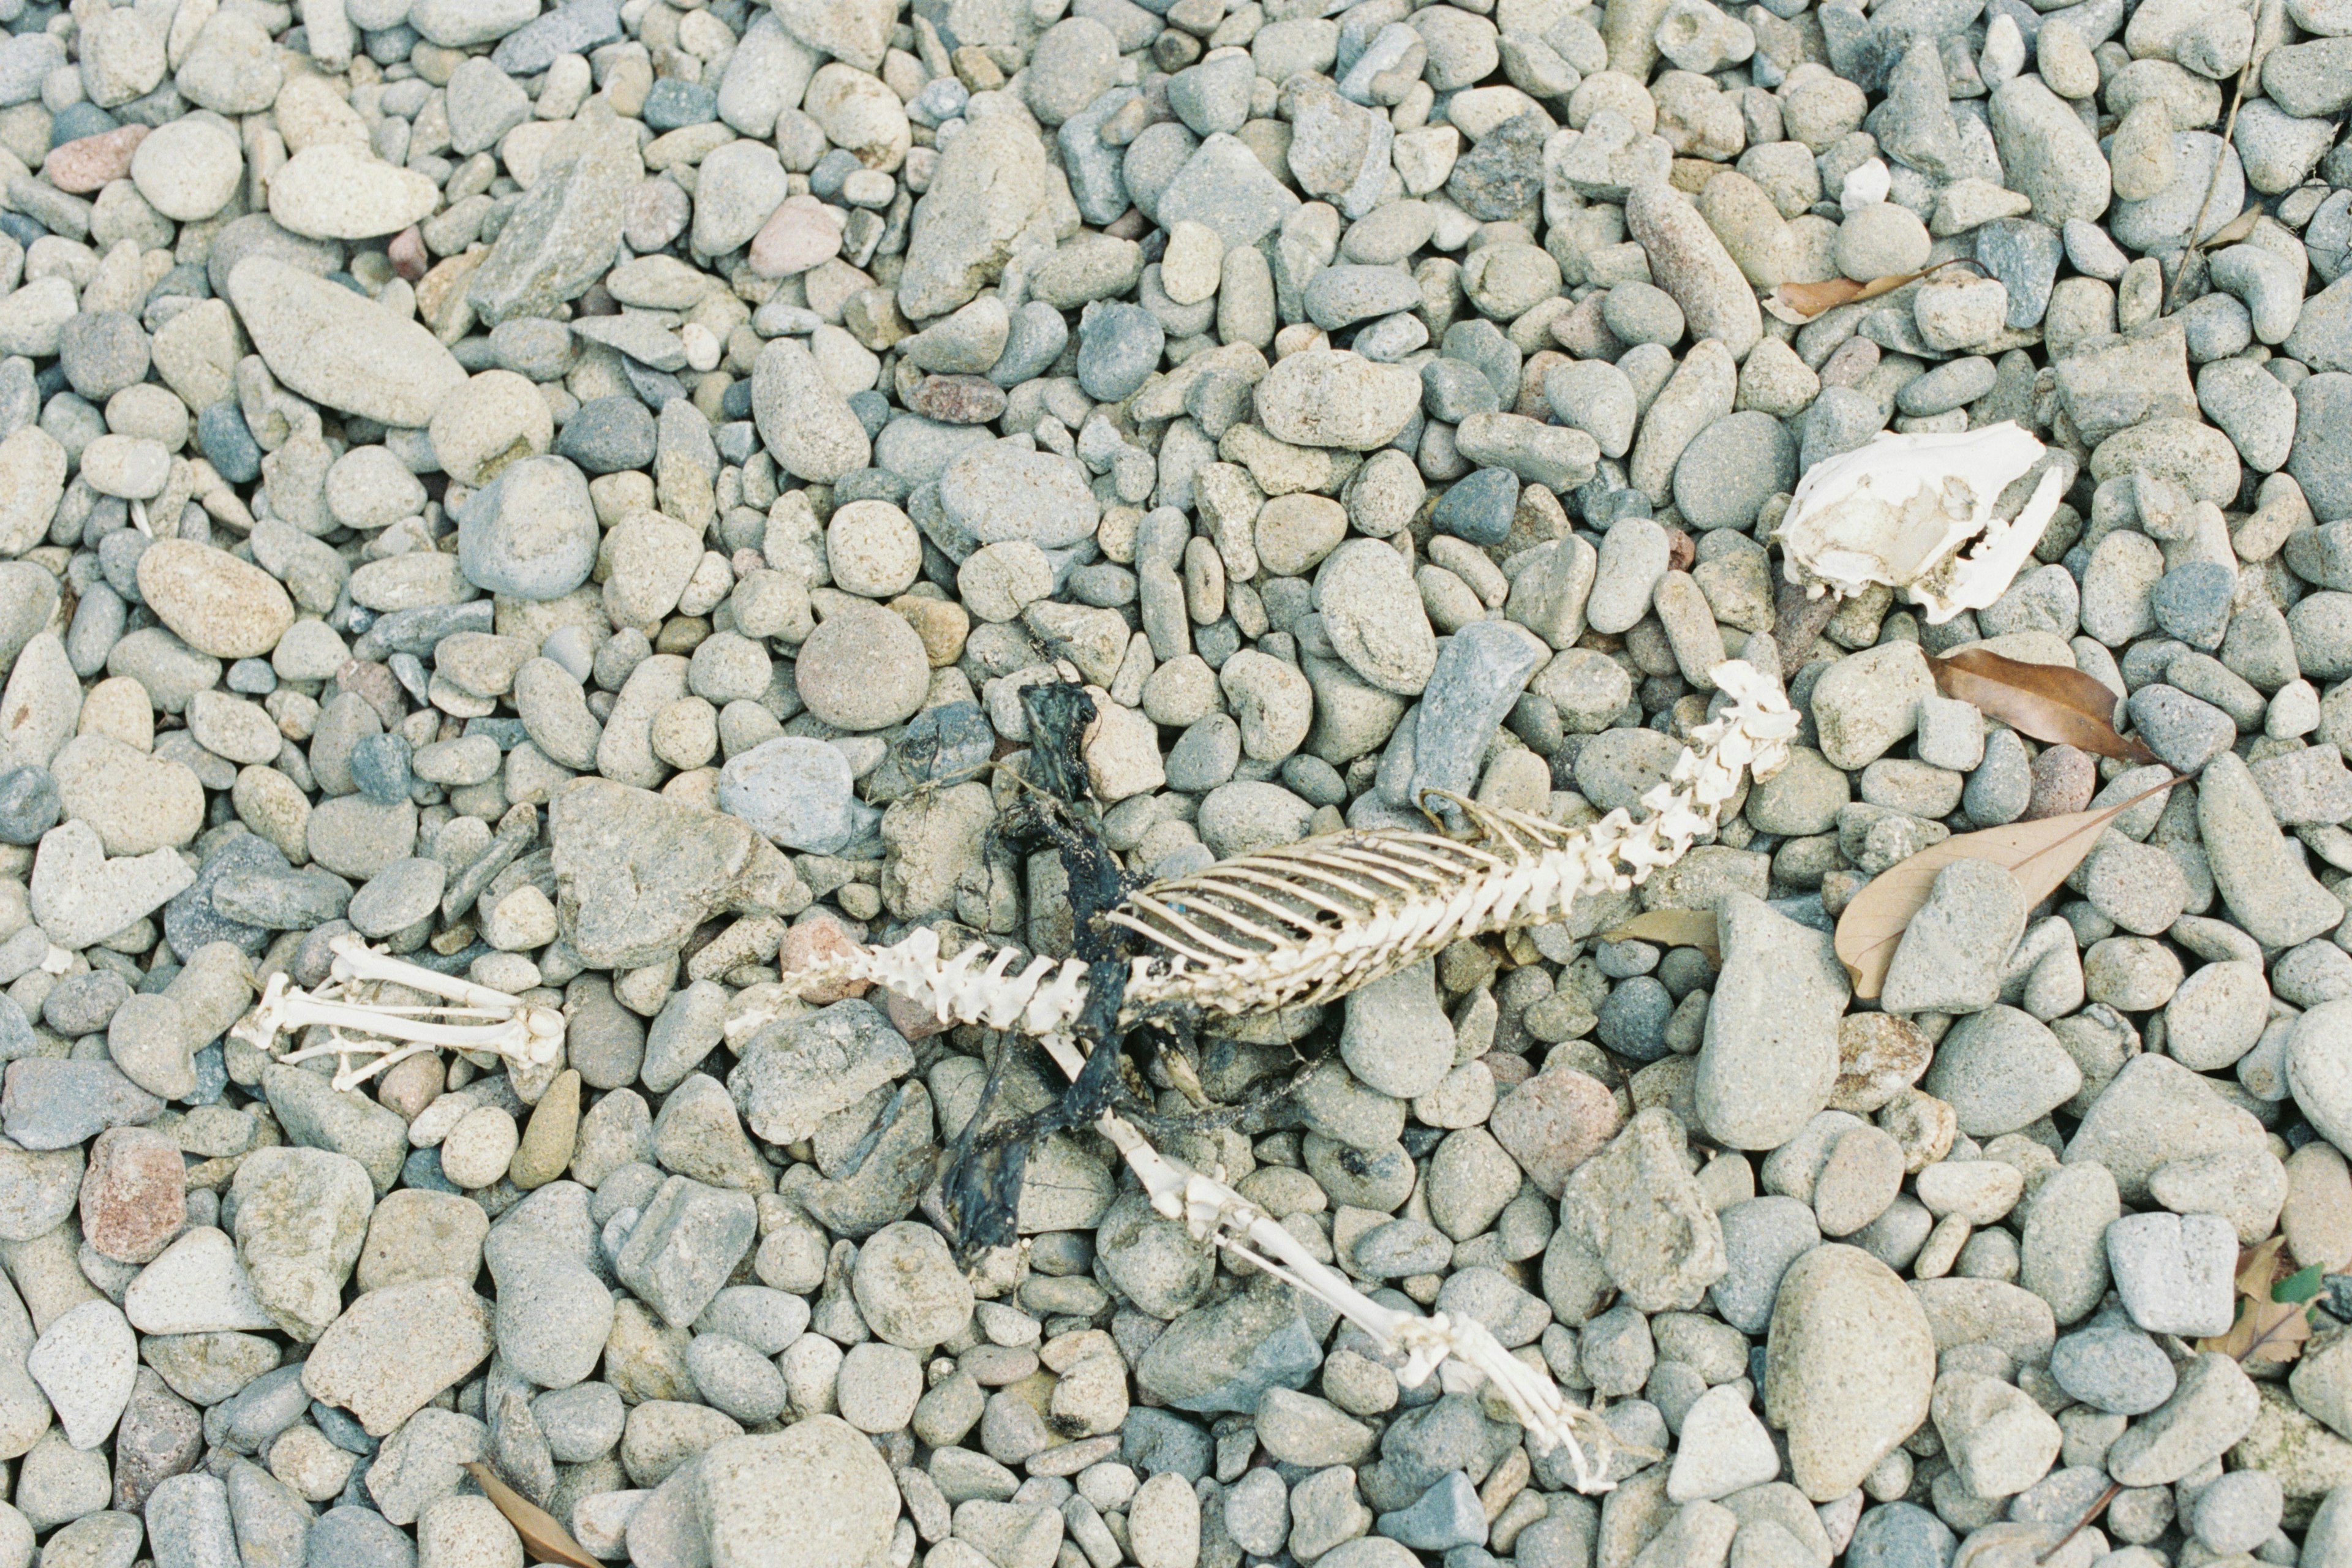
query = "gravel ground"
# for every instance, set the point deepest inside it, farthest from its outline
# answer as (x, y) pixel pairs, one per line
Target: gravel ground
(574, 497)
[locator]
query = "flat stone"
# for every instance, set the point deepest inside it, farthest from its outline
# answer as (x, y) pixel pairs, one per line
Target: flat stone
(2214, 1406)
(215, 603)
(340, 348)
(301, 1217)
(1951, 955)
(333, 190)
(2175, 1271)
(1637, 1209)
(51, 1104)
(1325, 397)
(392, 1350)
(2271, 892)
(195, 1286)
(635, 873)
(683, 1250)
(812, 1495)
(1769, 1059)
(561, 235)
(86, 1362)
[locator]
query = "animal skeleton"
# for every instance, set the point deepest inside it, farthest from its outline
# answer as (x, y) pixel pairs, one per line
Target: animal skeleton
(468, 1017)
(1312, 922)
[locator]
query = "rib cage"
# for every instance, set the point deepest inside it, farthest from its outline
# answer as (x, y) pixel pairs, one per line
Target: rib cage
(1310, 922)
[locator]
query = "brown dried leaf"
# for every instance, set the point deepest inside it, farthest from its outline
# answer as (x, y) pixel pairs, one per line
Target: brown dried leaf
(2047, 701)
(542, 1537)
(2259, 1269)
(1672, 928)
(2039, 855)
(2265, 1330)
(1797, 303)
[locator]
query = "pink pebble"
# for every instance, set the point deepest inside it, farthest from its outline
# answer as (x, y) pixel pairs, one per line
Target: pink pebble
(93, 162)
(802, 234)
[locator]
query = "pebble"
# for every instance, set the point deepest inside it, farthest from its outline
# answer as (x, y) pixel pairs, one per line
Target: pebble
(796, 792)
(1951, 957)
(1850, 1363)
(337, 347)
(86, 1362)
(863, 668)
(2001, 1069)
(1769, 1059)
(333, 190)
(1397, 1040)
(814, 1493)
(1373, 616)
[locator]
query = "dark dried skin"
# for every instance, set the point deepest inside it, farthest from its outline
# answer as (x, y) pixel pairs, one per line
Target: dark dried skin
(981, 1182)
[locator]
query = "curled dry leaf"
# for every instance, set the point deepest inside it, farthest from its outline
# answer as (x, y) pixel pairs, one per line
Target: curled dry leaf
(2053, 702)
(542, 1537)
(1797, 303)
(1672, 928)
(2039, 855)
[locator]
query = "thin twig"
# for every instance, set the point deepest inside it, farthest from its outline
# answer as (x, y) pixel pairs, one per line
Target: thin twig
(2089, 1516)
(2212, 187)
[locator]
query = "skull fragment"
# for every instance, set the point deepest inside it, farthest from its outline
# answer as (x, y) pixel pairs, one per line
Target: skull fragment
(1917, 513)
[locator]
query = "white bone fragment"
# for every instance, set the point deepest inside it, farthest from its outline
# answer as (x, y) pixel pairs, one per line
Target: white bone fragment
(1461, 1351)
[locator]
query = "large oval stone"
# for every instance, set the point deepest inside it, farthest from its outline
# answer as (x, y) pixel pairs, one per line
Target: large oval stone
(1849, 1365)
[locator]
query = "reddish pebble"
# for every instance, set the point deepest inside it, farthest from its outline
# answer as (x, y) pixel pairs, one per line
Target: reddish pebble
(1681, 550)
(93, 162)
(912, 1020)
(958, 399)
(2064, 781)
(134, 1194)
(408, 1086)
(802, 233)
(408, 254)
(1507, 1069)
(1554, 1122)
(1532, 401)
(1854, 359)
(1582, 332)
(811, 944)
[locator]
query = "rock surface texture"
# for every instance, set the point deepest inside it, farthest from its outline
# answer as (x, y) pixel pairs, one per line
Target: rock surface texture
(572, 493)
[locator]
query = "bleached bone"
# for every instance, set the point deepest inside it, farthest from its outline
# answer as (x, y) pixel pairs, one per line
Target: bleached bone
(1312, 922)
(472, 1018)
(1460, 1352)
(1903, 510)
